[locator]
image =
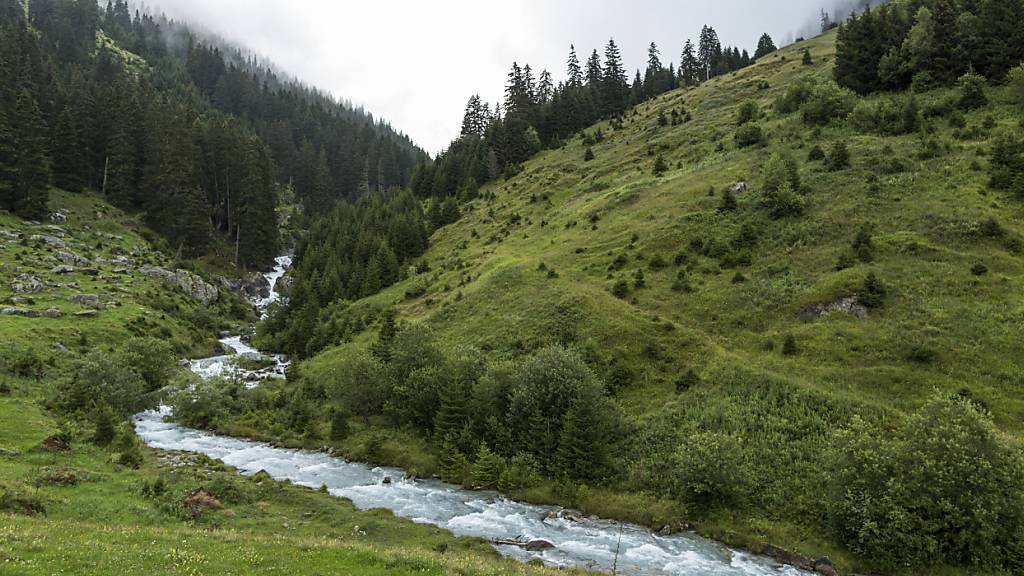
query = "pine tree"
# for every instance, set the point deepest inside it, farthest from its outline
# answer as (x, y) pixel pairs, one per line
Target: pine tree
(575, 73)
(487, 469)
(709, 53)
(689, 65)
(765, 46)
(69, 161)
(807, 60)
(339, 425)
(104, 424)
(453, 462)
(453, 414)
(615, 88)
(31, 167)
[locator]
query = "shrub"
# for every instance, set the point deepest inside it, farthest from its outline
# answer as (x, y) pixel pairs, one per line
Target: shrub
(781, 187)
(872, 294)
(487, 469)
(944, 487)
(152, 358)
(710, 471)
(816, 154)
(588, 155)
(687, 381)
(1007, 164)
(27, 363)
(105, 425)
(789, 347)
(18, 499)
(807, 60)
(126, 445)
(794, 97)
(748, 135)
(660, 166)
(749, 111)
(658, 262)
(620, 289)
(838, 157)
(863, 244)
(96, 379)
(1015, 80)
(827, 102)
(979, 269)
(887, 115)
(972, 91)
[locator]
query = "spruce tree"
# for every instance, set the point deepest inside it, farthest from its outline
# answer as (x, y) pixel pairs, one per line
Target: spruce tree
(31, 163)
(689, 65)
(69, 161)
(487, 469)
(453, 462)
(575, 72)
(765, 46)
(615, 89)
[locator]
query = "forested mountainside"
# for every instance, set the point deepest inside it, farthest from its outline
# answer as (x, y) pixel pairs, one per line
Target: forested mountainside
(783, 303)
(200, 136)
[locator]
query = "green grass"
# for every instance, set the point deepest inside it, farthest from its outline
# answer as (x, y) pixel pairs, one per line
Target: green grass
(486, 287)
(133, 304)
(104, 525)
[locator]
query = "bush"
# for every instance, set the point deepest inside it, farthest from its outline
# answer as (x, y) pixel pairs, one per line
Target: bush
(18, 499)
(105, 425)
(972, 91)
(827, 102)
(96, 379)
(945, 487)
(838, 157)
(816, 154)
(660, 166)
(789, 346)
(26, 363)
(1015, 81)
(872, 294)
(1007, 164)
(152, 358)
(749, 111)
(887, 115)
(620, 289)
(781, 187)
(979, 269)
(710, 471)
(588, 155)
(794, 97)
(749, 135)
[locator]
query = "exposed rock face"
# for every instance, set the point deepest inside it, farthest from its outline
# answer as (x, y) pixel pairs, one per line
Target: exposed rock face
(52, 313)
(824, 567)
(187, 282)
(850, 305)
(739, 188)
(26, 284)
(72, 259)
(88, 300)
(51, 240)
(253, 285)
(10, 311)
(62, 269)
(58, 218)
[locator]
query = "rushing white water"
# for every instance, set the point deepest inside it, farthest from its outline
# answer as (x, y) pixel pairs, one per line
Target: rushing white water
(577, 542)
(283, 263)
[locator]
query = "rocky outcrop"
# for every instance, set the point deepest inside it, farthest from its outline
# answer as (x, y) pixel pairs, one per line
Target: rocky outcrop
(87, 300)
(27, 284)
(72, 259)
(52, 313)
(252, 286)
(739, 188)
(187, 282)
(51, 240)
(10, 311)
(850, 305)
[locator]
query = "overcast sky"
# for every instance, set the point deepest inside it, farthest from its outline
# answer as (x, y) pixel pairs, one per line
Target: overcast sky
(415, 63)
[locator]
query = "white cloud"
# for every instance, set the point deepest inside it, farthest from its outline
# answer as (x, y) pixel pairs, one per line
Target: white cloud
(415, 63)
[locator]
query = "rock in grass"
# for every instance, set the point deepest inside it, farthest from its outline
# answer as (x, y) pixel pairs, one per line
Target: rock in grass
(27, 284)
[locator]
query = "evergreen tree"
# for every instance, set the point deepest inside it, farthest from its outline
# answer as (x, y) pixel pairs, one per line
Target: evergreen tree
(689, 65)
(339, 425)
(452, 417)
(615, 88)
(453, 462)
(709, 53)
(104, 425)
(575, 73)
(31, 165)
(69, 162)
(765, 46)
(487, 469)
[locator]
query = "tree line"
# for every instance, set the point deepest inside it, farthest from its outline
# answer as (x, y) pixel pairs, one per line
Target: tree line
(536, 113)
(928, 43)
(199, 138)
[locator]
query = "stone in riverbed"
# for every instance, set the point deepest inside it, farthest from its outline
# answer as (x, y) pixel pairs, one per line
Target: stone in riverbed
(538, 546)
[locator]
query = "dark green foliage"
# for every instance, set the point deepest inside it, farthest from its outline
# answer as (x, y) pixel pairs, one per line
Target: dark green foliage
(639, 281)
(873, 292)
(749, 135)
(928, 43)
(944, 487)
(104, 423)
(660, 166)
(863, 245)
(765, 46)
(1007, 164)
(827, 102)
(972, 91)
(816, 154)
(126, 446)
(781, 187)
(687, 381)
(789, 347)
(795, 95)
(354, 252)
(339, 425)
(487, 469)
(588, 155)
(454, 465)
(807, 60)
(838, 157)
(888, 115)
(749, 112)
(728, 203)
(620, 289)
(979, 269)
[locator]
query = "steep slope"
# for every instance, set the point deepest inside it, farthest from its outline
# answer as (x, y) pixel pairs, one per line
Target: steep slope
(768, 312)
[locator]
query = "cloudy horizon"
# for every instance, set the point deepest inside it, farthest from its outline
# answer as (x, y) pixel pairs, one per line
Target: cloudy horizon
(414, 64)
